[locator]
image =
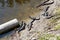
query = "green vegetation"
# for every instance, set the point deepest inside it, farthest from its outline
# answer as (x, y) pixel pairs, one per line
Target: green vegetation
(55, 19)
(49, 37)
(57, 27)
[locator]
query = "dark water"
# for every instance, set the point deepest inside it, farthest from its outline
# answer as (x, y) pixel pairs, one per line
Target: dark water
(20, 9)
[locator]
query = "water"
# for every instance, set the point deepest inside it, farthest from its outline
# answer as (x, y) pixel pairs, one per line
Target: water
(20, 9)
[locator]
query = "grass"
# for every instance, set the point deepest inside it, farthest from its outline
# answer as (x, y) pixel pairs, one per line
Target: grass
(56, 26)
(55, 19)
(49, 37)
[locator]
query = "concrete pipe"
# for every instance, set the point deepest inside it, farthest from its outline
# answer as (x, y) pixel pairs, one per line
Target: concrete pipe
(8, 26)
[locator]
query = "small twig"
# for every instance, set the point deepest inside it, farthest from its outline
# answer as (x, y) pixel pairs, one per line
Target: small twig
(22, 27)
(49, 17)
(46, 13)
(47, 8)
(48, 3)
(44, 3)
(33, 19)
